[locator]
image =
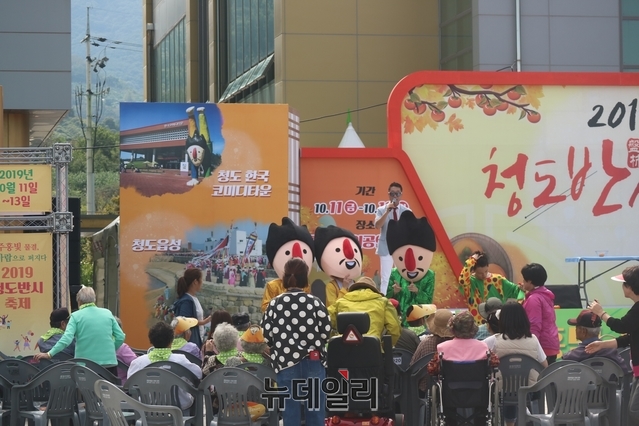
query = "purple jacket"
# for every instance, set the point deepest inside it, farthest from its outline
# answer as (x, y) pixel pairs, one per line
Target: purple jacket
(540, 308)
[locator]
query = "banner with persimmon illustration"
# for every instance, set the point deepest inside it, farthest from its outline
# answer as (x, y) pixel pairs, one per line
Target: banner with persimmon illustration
(528, 167)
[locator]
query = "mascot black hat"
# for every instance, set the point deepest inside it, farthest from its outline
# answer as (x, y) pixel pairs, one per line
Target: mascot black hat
(324, 235)
(280, 235)
(409, 230)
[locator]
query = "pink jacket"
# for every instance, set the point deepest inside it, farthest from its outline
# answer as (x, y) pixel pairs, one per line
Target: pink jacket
(540, 308)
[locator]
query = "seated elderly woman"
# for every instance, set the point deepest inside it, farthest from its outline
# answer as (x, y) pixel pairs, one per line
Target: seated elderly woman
(58, 321)
(182, 331)
(463, 347)
(96, 332)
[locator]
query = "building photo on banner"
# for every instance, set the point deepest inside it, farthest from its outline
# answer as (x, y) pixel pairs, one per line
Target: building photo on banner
(200, 185)
(528, 167)
(26, 260)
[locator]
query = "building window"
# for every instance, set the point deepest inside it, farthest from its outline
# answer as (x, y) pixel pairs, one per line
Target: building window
(246, 49)
(629, 35)
(169, 78)
(456, 34)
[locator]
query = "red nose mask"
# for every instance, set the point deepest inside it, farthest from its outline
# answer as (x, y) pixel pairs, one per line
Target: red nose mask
(348, 249)
(409, 260)
(194, 154)
(297, 251)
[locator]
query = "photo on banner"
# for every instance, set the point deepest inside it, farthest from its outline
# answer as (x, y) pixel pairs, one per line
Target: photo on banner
(200, 185)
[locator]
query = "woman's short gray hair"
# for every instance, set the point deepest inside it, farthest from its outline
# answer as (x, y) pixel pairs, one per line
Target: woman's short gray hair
(85, 295)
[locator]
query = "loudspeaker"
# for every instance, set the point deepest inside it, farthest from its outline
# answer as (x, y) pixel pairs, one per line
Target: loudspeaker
(566, 296)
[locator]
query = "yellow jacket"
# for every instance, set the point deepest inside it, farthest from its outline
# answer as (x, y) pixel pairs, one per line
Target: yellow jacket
(333, 292)
(273, 289)
(381, 312)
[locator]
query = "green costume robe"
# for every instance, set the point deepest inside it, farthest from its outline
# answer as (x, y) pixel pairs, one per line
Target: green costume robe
(406, 298)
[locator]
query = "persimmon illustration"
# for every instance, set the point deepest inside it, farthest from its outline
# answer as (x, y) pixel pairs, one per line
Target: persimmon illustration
(533, 117)
(454, 102)
(513, 95)
(438, 116)
(511, 99)
(488, 110)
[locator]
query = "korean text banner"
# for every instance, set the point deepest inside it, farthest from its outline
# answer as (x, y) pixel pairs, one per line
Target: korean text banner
(528, 167)
(25, 188)
(26, 291)
(200, 185)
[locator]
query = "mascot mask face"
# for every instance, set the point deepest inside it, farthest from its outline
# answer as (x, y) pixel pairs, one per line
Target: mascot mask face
(412, 262)
(342, 258)
(289, 250)
(196, 149)
(287, 241)
(412, 243)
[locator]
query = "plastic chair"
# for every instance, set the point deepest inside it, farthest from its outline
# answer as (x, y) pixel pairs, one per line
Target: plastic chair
(6, 386)
(515, 372)
(140, 352)
(195, 360)
(159, 386)
(62, 402)
(85, 378)
(232, 385)
(415, 409)
(608, 395)
(113, 400)
(97, 368)
(626, 386)
(262, 372)
(41, 364)
(178, 370)
(402, 358)
(571, 382)
(17, 372)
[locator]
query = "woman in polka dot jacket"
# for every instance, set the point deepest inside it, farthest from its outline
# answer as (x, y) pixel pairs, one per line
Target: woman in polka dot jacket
(296, 328)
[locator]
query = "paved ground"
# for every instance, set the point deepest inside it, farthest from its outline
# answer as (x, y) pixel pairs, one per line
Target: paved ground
(155, 183)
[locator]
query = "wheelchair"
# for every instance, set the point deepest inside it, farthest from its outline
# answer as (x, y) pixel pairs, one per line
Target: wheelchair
(359, 376)
(460, 388)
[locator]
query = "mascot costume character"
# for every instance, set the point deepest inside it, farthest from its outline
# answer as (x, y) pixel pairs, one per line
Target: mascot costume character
(283, 243)
(199, 147)
(412, 243)
(339, 255)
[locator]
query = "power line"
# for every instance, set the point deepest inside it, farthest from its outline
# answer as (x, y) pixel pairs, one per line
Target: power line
(341, 113)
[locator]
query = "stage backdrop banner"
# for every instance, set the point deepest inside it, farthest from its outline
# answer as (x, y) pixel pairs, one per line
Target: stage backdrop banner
(240, 166)
(25, 188)
(344, 187)
(528, 167)
(26, 291)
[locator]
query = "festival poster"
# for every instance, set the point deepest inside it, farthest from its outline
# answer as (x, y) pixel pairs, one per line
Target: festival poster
(25, 188)
(354, 183)
(26, 291)
(528, 167)
(199, 186)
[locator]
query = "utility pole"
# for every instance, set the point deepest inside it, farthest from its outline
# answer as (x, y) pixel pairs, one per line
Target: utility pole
(90, 173)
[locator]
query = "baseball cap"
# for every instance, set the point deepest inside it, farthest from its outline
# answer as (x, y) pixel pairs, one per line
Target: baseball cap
(415, 312)
(586, 318)
(394, 302)
(493, 304)
(619, 278)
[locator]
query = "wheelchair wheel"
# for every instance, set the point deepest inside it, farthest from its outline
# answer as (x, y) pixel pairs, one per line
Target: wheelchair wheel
(436, 418)
(399, 419)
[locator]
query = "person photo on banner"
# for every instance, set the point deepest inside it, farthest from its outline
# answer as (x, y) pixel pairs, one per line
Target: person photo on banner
(412, 244)
(339, 255)
(476, 284)
(285, 242)
(392, 210)
(202, 152)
